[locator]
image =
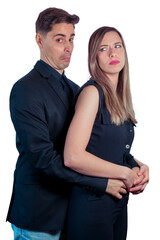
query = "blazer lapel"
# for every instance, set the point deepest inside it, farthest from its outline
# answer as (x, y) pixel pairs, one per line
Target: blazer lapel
(53, 82)
(57, 87)
(74, 88)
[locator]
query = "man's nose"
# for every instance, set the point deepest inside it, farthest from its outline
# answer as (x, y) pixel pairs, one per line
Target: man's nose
(68, 47)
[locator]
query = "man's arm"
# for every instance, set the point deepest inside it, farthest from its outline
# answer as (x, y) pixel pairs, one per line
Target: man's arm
(131, 162)
(29, 120)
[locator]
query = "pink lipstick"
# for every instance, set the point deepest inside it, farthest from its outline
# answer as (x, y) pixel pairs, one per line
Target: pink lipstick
(115, 62)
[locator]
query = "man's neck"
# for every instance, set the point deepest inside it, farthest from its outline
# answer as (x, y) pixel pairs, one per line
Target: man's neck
(60, 71)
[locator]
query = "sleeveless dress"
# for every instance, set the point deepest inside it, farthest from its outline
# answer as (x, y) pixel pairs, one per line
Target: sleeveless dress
(97, 216)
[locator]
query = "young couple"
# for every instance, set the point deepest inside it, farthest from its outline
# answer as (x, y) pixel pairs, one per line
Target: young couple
(74, 168)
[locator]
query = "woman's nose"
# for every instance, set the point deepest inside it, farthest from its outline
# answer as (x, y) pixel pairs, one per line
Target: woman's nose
(112, 52)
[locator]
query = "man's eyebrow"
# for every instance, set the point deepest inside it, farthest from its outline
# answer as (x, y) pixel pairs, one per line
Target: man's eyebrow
(63, 35)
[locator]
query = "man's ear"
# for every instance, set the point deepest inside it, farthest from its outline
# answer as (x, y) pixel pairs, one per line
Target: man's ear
(39, 40)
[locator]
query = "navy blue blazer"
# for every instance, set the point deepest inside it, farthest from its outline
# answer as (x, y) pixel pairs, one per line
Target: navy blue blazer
(41, 113)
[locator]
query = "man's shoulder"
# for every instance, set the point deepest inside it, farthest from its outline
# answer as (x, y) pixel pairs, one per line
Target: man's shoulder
(28, 80)
(73, 84)
(27, 89)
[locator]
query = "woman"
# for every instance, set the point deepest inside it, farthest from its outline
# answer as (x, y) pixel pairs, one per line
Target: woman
(99, 141)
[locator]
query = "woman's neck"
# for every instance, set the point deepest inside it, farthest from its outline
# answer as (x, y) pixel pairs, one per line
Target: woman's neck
(113, 80)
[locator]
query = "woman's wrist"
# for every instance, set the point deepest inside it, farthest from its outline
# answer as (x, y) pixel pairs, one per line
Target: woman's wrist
(125, 171)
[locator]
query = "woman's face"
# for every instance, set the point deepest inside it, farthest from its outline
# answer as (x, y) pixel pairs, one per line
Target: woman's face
(111, 54)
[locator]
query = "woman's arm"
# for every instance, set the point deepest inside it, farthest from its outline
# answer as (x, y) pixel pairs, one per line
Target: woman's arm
(75, 154)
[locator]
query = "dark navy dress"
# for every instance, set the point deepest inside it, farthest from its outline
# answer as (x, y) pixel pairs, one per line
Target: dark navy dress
(93, 216)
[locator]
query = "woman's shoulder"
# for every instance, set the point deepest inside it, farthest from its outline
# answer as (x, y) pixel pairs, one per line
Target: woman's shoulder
(93, 83)
(92, 94)
(90, 82)
(89, 92)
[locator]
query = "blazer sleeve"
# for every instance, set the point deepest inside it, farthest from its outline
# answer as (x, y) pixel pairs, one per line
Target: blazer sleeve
(131, 162)
(28, 117)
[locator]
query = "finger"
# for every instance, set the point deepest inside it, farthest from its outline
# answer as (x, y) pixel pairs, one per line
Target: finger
(118, 195)
(138, 180)
(144, 186)
(136, 188)
(123, 191)
(145, 181)
(138, 192)
(141, 171)
(123, 185)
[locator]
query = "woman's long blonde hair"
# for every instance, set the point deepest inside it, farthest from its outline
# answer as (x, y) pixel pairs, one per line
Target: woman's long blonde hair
(119, 103)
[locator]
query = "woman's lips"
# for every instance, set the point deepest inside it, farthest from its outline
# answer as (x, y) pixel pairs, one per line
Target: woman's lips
(115, 62)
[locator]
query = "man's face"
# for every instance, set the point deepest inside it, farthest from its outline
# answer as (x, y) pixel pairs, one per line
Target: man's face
(57, 45)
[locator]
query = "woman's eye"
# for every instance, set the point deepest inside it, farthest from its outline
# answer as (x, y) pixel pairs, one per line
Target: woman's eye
(103, 49)
(118, 46)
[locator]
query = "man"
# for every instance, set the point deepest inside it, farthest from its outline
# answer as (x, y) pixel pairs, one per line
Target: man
(40, 106)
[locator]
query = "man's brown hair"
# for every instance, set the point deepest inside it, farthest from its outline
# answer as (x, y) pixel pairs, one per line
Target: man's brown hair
(51, 16)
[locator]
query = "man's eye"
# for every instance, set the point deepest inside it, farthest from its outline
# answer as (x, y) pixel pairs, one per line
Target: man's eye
(59, 40)
(71, 39)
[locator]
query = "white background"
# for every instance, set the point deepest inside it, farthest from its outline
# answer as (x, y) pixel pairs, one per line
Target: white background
(138, 21)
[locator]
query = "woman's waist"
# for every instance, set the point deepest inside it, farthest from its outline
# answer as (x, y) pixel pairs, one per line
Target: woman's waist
(113, 156)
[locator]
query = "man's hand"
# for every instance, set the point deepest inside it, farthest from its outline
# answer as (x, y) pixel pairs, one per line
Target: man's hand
(116, 188)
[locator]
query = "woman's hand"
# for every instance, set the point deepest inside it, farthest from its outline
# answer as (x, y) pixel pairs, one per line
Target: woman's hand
(142, 181)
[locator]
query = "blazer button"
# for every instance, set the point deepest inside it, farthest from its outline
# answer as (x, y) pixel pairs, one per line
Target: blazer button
(127, 146)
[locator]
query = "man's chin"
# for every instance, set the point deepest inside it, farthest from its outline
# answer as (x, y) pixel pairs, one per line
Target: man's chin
(65, 65)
